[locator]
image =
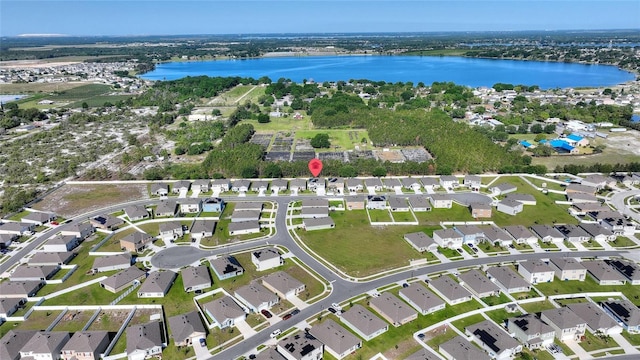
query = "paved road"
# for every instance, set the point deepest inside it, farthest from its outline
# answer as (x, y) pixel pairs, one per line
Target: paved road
(617, 200)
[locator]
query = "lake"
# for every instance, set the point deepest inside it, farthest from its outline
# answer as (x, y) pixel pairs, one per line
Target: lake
(426, 69)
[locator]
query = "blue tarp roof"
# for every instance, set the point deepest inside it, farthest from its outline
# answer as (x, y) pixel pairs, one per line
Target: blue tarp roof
(525, 143)
(561, 144)
(575, 137)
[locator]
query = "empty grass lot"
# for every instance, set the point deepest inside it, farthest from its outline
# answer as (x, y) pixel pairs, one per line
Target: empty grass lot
(499, 316)
(470, 320)
(588, 285)
(360, 249)
(537, 306)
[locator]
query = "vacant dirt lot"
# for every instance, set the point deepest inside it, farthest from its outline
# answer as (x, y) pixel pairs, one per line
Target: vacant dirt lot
(73, 200)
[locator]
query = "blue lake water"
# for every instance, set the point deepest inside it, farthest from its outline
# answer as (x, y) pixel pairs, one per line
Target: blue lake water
(426, 69)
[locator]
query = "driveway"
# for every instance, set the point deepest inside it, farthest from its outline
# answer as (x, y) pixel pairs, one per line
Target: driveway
(245, 329)
(297, 302)
(202, 352)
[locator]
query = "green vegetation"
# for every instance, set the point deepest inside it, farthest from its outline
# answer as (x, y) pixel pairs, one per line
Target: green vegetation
(500, 315)
(495, 300)
(588, 285)
(592, 342)
(470, 320)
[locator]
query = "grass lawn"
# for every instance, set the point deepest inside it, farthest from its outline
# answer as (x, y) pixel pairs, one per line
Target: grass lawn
(588, 285)
(544, 212)
(20, 215)
(360, 249)
(284, 124)
(622, 241)
(450, 253)
(522, 247)
(537, 306)
(527, 354)
(565, 349)
(88, 295)
(435, 216)
(380, 216)
(490, 248)
(547, 245)
(109, 320)
(27, 88)
(100, 100)
(634, 339)
(470, 320)
(525, 295)
(592, 244)
(113, 244)
(340, 140)
(402, 216)
(592, 342)
(9, 325)
(84, 262)
(150, 228)
(607, 353)
(564, 302)
(500, 315)
(176, 302)
(74, 320)
(495, 300)
(38, 320)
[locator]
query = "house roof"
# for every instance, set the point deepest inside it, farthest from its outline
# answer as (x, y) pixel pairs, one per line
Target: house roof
(323, 221)
(248, 205)
(492, 336)
(625, 310)
(299, 345)
(419, 202)
(245, 214)
(430, 181)
(423, 354)
(265, 254)
(136, 211)
(13, 341)
(256, 294)
(535, 266)
(243, 225)
(392, 307)
(257, 185)
(169, 226)
(409, 181)
(595, 229)
(447, 234)
(195, 275)
(507, 277)
(158, 281)
(7, 304)
(449, 288)
(144, 336)
(315, 202)
(472, 179)
(478, 281)
(419, 239)
(18, 287)
(112, 260)
(421, 296)
(270, 354)
(530, 324)
(391, 182)
(315, 211)
(334, 336)
(220, 182)
(593, 315)
(165, 207)
(495, 234)
(27, 271)
(201, 182)
(298, 183)
(108, 220)
(363, 320)
(38, 216)
(480, 206)
(45, 342)
(543, 231)
(61, 240)
(520, 197)
(574, 137)
(449, 178)
(511, 203)
(203, 226)
(602, 271)
(629, 269)
(226, 265)
(567, 263)
(241, 183)
(562, 317)
(87, 341)
(137, 237)
(502, 187)
(122, 278)
(370, 182)
(279, 183)
(460, 349)
(466, 230)
(189, 201)
(282, 281)
(182, 184)
(185, 326)
(159, 186)
(223, 308)
(353, 182)
(570, 231)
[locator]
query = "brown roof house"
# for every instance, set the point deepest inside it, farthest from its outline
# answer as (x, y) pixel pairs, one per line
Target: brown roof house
(224, 312)
(44, 345)
(479, 284)
(299, 346)
(507, 279)
(598, 322)
(112, 262)
(187, 328)
(12, 342)
(196, 278)
(393, 309)
(531, 331)
(157, 284)
(136, 242)
(256, 297)
(459, 348)
(283, 284)
(267, 258)
(450, 290)
(86, 345)
(123, 279)
(566, 323)
(421, 299)
(363, 322)
(338, 341)
(145, 341)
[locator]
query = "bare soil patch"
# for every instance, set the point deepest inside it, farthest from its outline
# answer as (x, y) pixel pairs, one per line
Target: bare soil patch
(73, 200)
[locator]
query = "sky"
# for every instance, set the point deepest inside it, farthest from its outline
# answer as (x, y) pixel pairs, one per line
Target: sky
(173, 17)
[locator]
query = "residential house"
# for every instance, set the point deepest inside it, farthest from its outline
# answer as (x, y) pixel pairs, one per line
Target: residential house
(318, 224)
(145, 341)
(299, 346)
(473, 182)
(603, 274)
(625, 313)
(419, 204)
(256, 297)
(598, 322)
(597, 232)
(441, 201)
(448, 238)
(411, 183)
(202, 185)
(393, 309)
(430, 183)
(629, 269)
(278, 185)
(314, 203)
(16, 228)
(8, 306)
(136, 212)
(226, 267)
(449, 182)
(243, 228)
(502, 189)
(618, 225)
(376, 202)
(479, 284)
(245, 215)
(298, 185)
(354, 185)
(471, 234)
(283, 284)
(510, 207)
(196, 278)
(480, 210)
(136, 241)
(576, 140)
(13, 341)
(521, 234)
(525, 199)
(573, 233)
(181, 186)
(269, 353)
(373, 184)
(423, 354)
(259, 186)
(355, 202)
(267, 258)
(159, 189)
(314, 212)
(450, 290)
(112, 262)
(596, 181)
(497, 236)
(44, 345)
(421, 241)
(581, 198)
(567, 325)
(81, 231)
(157, 284)
(398, 204)
(421, 299)
(187, 328)
(363, 322)
(241, 185)
(220, 185)
(335, 186)
(536, 271)
(20, 289)
(34, 273)
(213, 205)
(315, 184)
(85, 345)
(38, 218)
(459, 348)
(202, 229)
(106, 222)
(123, 279)
(190, 205)
(392, 184)
(494, 340)
(224, 312)
(567, 268)
(61, 243)
(337, 340)
(531, 331)
(6, 240)
(166, 208)
(170, 230)
(507, 279)
(547, 233)
(577, 188)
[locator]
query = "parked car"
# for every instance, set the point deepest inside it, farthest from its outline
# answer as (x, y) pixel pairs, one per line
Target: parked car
(275, 333)
(286, 317)
(405, 285)
(266, 313)
(336, 306)
(203, 342)
(512, 246)
(421, 336)
(295, 312)
(332, 310)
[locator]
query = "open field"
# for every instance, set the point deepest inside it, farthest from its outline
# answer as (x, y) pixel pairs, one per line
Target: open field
(241, 94)
(71, 95)
(73, 200)
(286, 124)
(340, 139)
(378, 248)
(33, 88)
(588, 285)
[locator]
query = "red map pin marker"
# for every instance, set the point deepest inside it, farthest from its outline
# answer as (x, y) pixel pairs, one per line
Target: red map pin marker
(315, 166)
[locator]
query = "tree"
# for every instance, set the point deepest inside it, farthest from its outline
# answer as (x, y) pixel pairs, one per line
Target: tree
(536, 128)
(272, 170)
(249, 172)
(263, 118)
(85, 105)
(321, 141)
(379, 172)
(216, 112)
